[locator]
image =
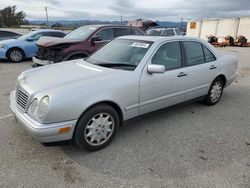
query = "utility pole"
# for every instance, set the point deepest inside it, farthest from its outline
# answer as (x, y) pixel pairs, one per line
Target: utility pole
(121, 18)
(181, 17)
(47, 17)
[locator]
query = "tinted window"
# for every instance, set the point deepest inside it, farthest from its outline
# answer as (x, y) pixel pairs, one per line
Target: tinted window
(105, 34)
(194, 53)
(168, 32)
(121, 31)
(136, 32)
(208, 55)
(169, 55)
(57, 34)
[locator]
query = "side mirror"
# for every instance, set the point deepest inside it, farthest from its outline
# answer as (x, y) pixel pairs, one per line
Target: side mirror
(94, 39)
(30, 39)
(153, 68)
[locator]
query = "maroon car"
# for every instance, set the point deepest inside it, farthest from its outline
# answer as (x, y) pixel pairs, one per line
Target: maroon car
(80, 43)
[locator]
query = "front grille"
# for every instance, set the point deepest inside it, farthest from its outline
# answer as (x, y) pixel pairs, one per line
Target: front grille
(22, 98)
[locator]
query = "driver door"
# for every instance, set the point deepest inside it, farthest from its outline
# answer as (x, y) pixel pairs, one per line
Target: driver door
(104, 35)
(160, 90)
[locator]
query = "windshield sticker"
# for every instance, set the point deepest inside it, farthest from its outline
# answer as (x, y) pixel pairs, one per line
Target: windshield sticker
(140, 45)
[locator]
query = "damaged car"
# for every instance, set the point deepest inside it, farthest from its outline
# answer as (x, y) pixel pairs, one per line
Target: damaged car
(80, 43)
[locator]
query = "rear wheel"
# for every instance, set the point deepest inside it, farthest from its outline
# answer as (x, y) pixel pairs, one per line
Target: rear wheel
(96, 128)
(215, 92)
(15, 55)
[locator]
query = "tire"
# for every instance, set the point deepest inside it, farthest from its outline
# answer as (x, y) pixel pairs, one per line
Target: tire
(215, 92)
(15, 55)
(90, 135)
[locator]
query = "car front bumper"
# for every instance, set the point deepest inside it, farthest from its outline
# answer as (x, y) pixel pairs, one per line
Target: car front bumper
(41, 62)
(44, 133)
(3, 52)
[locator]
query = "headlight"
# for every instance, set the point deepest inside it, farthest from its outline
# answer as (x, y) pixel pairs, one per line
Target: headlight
(39, 109)
(33, 106)
(43, 107)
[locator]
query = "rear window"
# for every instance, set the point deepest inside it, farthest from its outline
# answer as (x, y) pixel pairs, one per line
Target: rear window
(208, 55)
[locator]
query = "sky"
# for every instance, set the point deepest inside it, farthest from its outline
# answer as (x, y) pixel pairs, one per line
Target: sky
(110, 10)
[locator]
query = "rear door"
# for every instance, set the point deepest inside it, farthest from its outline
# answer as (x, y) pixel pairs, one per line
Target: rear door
(201, 67)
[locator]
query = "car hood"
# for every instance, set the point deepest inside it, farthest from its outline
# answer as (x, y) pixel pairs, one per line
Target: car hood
(74, 73)
(53, 41)
(9, 42)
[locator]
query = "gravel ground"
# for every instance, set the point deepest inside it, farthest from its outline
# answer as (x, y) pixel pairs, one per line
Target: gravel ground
(189, 145)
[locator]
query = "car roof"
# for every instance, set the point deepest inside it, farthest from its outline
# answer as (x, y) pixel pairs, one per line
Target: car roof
(47, 30)
(159, 38)
(155, 28)
(97, 26)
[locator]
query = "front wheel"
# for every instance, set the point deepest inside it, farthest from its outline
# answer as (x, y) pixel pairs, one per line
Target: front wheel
(215, 92)
(96, 128)
(15, 55)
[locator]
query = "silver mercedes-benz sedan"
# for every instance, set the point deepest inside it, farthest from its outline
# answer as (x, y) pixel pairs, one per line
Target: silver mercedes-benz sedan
(87, 100)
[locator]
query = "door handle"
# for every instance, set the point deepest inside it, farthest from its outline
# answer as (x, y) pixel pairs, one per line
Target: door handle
(212, 67)
(181, 74)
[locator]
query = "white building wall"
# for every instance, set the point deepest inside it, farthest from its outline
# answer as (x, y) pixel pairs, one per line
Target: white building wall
(220, 28)
(244, 27)
(209, 27)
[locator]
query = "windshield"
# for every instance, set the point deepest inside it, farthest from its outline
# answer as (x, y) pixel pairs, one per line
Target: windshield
(81, 33)
(121, 54)
(28, 35)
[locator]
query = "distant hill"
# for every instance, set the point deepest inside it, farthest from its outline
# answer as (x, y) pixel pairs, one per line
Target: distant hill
(77, 23)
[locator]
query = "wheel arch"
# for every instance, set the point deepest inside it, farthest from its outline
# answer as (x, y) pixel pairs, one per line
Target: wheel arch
(110, 103)
(15, 47)
(223, 78)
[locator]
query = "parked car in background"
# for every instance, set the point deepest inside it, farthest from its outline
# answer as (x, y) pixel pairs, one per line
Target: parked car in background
(80, 43)
(8, 35)
(15, 50)
(162, 31)
(87, 100)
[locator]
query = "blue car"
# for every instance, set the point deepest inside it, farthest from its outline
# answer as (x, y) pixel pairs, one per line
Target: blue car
(15, 50)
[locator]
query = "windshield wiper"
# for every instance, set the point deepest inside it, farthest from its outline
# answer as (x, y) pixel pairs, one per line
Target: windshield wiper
(115, 65)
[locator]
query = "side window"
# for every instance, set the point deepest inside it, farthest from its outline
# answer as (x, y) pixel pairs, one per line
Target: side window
(105, 34)
(136, 32)
(169, 55)
(57, 34)
(208, 55)
(168, 32)
(194, 53)
(121, 32)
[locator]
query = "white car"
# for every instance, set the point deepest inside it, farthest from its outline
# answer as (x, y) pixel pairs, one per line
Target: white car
(87, 100)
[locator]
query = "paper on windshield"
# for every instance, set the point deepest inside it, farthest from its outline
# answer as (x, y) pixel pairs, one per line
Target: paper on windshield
(140, 45)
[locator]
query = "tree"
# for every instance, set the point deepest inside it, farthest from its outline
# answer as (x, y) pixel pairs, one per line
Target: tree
(57, 25)
(9, 17)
